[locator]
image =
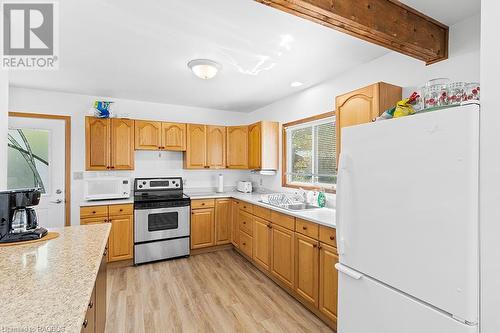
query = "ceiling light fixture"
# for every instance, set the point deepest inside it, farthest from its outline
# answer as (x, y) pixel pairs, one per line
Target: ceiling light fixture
(296, 84)
(204, 68)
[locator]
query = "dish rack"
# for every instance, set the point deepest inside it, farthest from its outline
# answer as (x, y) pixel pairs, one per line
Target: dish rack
(282, 199)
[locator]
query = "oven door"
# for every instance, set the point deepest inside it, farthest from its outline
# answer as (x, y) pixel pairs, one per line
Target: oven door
(161, 223)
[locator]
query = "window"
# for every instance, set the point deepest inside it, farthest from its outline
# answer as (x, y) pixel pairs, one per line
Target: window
(310, 152)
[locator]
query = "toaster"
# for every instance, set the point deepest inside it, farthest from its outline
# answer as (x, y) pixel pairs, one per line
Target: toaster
(245, 187)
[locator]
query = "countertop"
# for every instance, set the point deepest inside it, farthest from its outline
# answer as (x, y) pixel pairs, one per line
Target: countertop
(106, 202)
(323, 216)
(46, 286)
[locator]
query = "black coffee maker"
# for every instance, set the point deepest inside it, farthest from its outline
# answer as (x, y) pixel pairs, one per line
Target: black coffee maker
(18, 219)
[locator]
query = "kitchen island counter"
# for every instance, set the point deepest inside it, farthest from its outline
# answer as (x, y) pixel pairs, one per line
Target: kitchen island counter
(46, 286)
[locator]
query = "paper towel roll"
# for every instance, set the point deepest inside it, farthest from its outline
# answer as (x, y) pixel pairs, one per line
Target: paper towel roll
(220, 184)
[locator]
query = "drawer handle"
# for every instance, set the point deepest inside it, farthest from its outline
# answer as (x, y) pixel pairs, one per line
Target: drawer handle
(332, 237)
(121, 210)
(91, 305)
(94, 212)
(85, 323)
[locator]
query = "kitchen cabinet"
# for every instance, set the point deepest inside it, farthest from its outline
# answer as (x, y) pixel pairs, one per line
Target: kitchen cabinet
(223, 214)
(216, 147)
(328, 281)
(147, 135)
(202, 228)
(263, 145)
(362, 105)
(235, 229)
(195, 156)
(173, 136)
(95, 317)
(262, 242)
(282, 257)
(121, 236)
(157, 135)
(306, 268)
(237, 147)
(109, 144)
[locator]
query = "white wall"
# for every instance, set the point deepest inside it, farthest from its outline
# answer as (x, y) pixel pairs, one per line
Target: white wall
(394, 68)
(489, 191)
(148, 164)
(4, 112)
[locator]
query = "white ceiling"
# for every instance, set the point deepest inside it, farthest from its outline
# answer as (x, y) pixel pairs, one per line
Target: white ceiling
(448, 12)
(139, 50)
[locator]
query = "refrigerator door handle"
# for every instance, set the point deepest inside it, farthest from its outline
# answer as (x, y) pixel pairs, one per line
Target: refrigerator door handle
(342, 199)
(347, 271)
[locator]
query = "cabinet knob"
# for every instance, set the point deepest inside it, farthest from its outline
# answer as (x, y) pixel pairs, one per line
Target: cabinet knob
(304, 227)
(332, 237)
(203, 204)
(121, 210)
(93, 212)
(315, 245)
(91, 305)
(244, 223)
(244, 243)
(269, 225)
(85, 323)
(319, 246)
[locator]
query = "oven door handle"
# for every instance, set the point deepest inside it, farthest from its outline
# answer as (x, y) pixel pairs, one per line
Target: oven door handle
(161, 210)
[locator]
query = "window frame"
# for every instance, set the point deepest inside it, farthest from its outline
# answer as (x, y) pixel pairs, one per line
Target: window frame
(284, 160)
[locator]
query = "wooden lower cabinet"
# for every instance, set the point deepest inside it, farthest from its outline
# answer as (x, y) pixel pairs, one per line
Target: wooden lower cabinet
(328, 281)
(283, 257)
(235, 229)
(202, 228)
(306, 268)
(223, 214)
(262, 242)
(95, 318)
(121, 236)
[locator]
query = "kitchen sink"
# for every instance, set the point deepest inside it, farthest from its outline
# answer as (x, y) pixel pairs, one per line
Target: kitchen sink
(300, 206)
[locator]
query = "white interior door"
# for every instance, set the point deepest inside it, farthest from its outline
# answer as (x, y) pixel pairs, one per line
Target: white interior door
(36, 158)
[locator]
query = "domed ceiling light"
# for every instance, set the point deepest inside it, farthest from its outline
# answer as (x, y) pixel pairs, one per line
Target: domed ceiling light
(204, 68)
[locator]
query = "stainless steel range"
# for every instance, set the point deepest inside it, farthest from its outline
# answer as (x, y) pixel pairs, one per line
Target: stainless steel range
(161, 219)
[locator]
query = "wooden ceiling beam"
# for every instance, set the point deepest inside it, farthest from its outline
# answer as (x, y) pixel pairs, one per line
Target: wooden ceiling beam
(387, 23)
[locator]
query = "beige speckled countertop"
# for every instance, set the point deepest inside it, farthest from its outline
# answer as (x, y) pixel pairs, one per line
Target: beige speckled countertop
(46, 286)
(323, 216)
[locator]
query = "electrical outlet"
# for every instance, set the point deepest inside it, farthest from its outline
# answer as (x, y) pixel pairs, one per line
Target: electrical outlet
(78, 175)
(261, 181)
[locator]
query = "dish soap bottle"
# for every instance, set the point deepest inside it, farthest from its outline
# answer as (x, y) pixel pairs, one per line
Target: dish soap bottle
(321, 199)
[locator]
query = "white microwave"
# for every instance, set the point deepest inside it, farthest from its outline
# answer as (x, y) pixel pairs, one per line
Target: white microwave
(107, 188)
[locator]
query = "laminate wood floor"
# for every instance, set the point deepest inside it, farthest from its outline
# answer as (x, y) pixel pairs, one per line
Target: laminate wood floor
(213, 292)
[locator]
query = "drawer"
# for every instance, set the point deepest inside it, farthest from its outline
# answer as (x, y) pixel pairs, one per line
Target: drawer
(245, 222)
(263, 213)
(94, 211)
(93, 220)
(286, 221)
(328, 235)
(202, 203)
(246, 244)
(307, 228)
(127, 209)
(246, 207)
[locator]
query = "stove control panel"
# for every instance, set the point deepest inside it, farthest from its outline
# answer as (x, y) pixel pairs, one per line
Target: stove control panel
(153, 184)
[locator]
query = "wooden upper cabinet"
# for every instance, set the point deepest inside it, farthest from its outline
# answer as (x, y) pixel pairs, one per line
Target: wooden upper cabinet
(173, 136)
(237, 147)
(363, 105)
(223, 208)
(202, 228)
(122, 144)
(196, 148)
(109, 144)
(307, 268)
(263, 145)
(148, 135)
(216, 147)
(97, 143)
(328, 281)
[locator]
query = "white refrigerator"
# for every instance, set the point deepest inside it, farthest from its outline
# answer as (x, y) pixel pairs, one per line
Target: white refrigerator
(407, 224)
